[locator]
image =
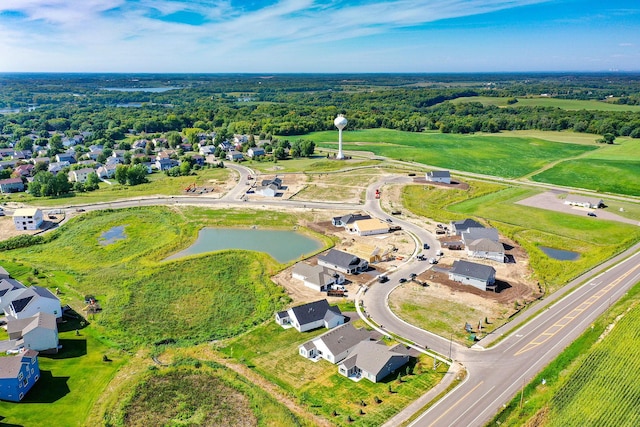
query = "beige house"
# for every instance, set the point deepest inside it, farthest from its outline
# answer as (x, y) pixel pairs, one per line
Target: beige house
(369, 227)
(27, 218)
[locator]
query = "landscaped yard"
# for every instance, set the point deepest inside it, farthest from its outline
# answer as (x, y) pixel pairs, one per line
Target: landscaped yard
(486, 154)
(273, 352)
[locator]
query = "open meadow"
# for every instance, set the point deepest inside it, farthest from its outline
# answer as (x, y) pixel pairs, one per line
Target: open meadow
(546, 101)
(507, 157)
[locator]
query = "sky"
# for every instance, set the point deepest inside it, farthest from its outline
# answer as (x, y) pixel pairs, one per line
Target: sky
(328, 36)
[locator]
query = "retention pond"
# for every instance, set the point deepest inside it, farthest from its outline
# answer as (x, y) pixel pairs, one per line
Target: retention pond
(560, 254)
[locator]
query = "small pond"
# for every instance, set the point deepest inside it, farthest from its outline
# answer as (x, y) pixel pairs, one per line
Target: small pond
(559, 254)
(283, 245)
(112, 235)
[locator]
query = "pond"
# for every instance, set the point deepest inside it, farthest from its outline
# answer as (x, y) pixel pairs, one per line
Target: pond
(559, 254)
(283, 245)
(112, 235)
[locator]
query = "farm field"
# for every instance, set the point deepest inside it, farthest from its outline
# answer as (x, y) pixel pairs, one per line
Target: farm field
(590, 382)
(491, 155)
(544, 101)
(273, 352)
(159, 184)
(596, 241)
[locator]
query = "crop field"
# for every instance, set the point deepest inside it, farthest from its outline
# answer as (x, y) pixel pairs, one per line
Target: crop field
(159, 184)
(273, 352)
(592, 383)
(596, 241)
(486, 154)
(543, 101)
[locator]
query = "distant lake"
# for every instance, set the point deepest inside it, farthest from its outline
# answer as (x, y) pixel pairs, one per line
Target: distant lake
(283, 245)
(559, 254)
(141, 89)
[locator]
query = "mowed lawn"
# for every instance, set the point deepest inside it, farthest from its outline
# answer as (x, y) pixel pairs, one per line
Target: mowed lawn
(507, 157)
(611, 169)
(273, 352)
(544, 101)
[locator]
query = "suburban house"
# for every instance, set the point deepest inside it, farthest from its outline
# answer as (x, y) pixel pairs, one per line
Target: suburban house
(343, 262)
(316, 277)
(373, 360)
(269, 187)
(235, 156)
(9, 289)
(480, 276)
(310, 316)
(585, 202)
(31, 301)
(27, 218)
(107, 171)
(11, 185)
(487, 249)
(80, 175)
(65, 157)
(165, 163)
(23, 170)
(347, 220)
(207, 150)
(458, 227)
(18, 374)
(39, 332)
(335, 345)
(56, 167)
(255, 152)
(439, 176)
(472, 234)
(369, 227)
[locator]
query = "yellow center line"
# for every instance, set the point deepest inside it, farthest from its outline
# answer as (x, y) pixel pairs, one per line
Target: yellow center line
(455, 404)
(560, 324)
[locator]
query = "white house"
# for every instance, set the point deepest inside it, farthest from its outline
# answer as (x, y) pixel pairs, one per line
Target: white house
(234, 156)
(439, 176)
(369, 227)
(480, 276)
(39, 332)
(31, 301)
(459, 227)
(473, 234)
(80, 175)
(585, 202)
(310, 316)
(27, 218)
(316, 277)
(487, 249)
(9, 289)
(335, 345)
(343, 262)
(373, 361)
(346, 221)
(107, 171)
(255, 152)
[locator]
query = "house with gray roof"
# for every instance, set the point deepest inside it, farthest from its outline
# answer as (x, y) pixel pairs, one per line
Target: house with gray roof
(18, 374)
(439, 176)
(38, 332)
(4, 274)
(343, 262)
(310, 316)
(335, 345)
(472, 234)
(11, 185)
(480, 276)
(32, 300)
(316, 277)
(458, 227)
(486, 249)
(347, 220)
(373, 361)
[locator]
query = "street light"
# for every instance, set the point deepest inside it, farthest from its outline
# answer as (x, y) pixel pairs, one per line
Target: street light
(450, 344)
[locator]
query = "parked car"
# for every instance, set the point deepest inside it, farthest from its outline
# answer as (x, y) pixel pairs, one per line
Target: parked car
(433, 261)
(382, 278)
(402, 280)
(389, 220)
(413, 275)
(425, 246)
(591, 214)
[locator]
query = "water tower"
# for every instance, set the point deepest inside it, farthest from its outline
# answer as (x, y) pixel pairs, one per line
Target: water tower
(340, 123)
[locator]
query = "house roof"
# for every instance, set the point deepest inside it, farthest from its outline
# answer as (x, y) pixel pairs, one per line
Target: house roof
(20, 303)
(439, 174)
(3, 272)
(480, 233)
(371, 356)
(465, 224)
(343, 338)
(282, 314)
(574, 198)
(84, 170)
(10, 366)
(485, 245)
(315, 274)
(43, 292)
(473, 270)
(40, 320)
(339, 258)
(350, 218)
(310, 312)
(11, 181)
(9, 284)
(26, 212)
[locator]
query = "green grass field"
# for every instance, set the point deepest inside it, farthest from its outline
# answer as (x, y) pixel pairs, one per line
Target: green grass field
(316, 163)
(159, 184)
(486, 154)
(591, 382)
(273, 352)
(543, 101)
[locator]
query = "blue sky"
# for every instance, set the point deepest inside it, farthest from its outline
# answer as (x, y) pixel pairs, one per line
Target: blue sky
(271, 36)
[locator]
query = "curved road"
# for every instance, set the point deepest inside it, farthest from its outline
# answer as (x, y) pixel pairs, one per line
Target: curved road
(494, 375)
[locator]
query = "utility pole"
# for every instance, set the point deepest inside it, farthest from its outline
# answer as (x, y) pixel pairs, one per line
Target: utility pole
(450, 344)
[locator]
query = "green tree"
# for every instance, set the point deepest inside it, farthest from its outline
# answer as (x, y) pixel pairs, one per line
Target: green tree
(137, 175)
(93, 182)
(25, 143)
(174, 139)
(185, 168)
(122, 174)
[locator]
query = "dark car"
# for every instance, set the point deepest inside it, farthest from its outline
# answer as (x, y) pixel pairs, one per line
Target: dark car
(402, 280)
(591, 214)
(425, 246)
(79, 210)
(413, 275)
